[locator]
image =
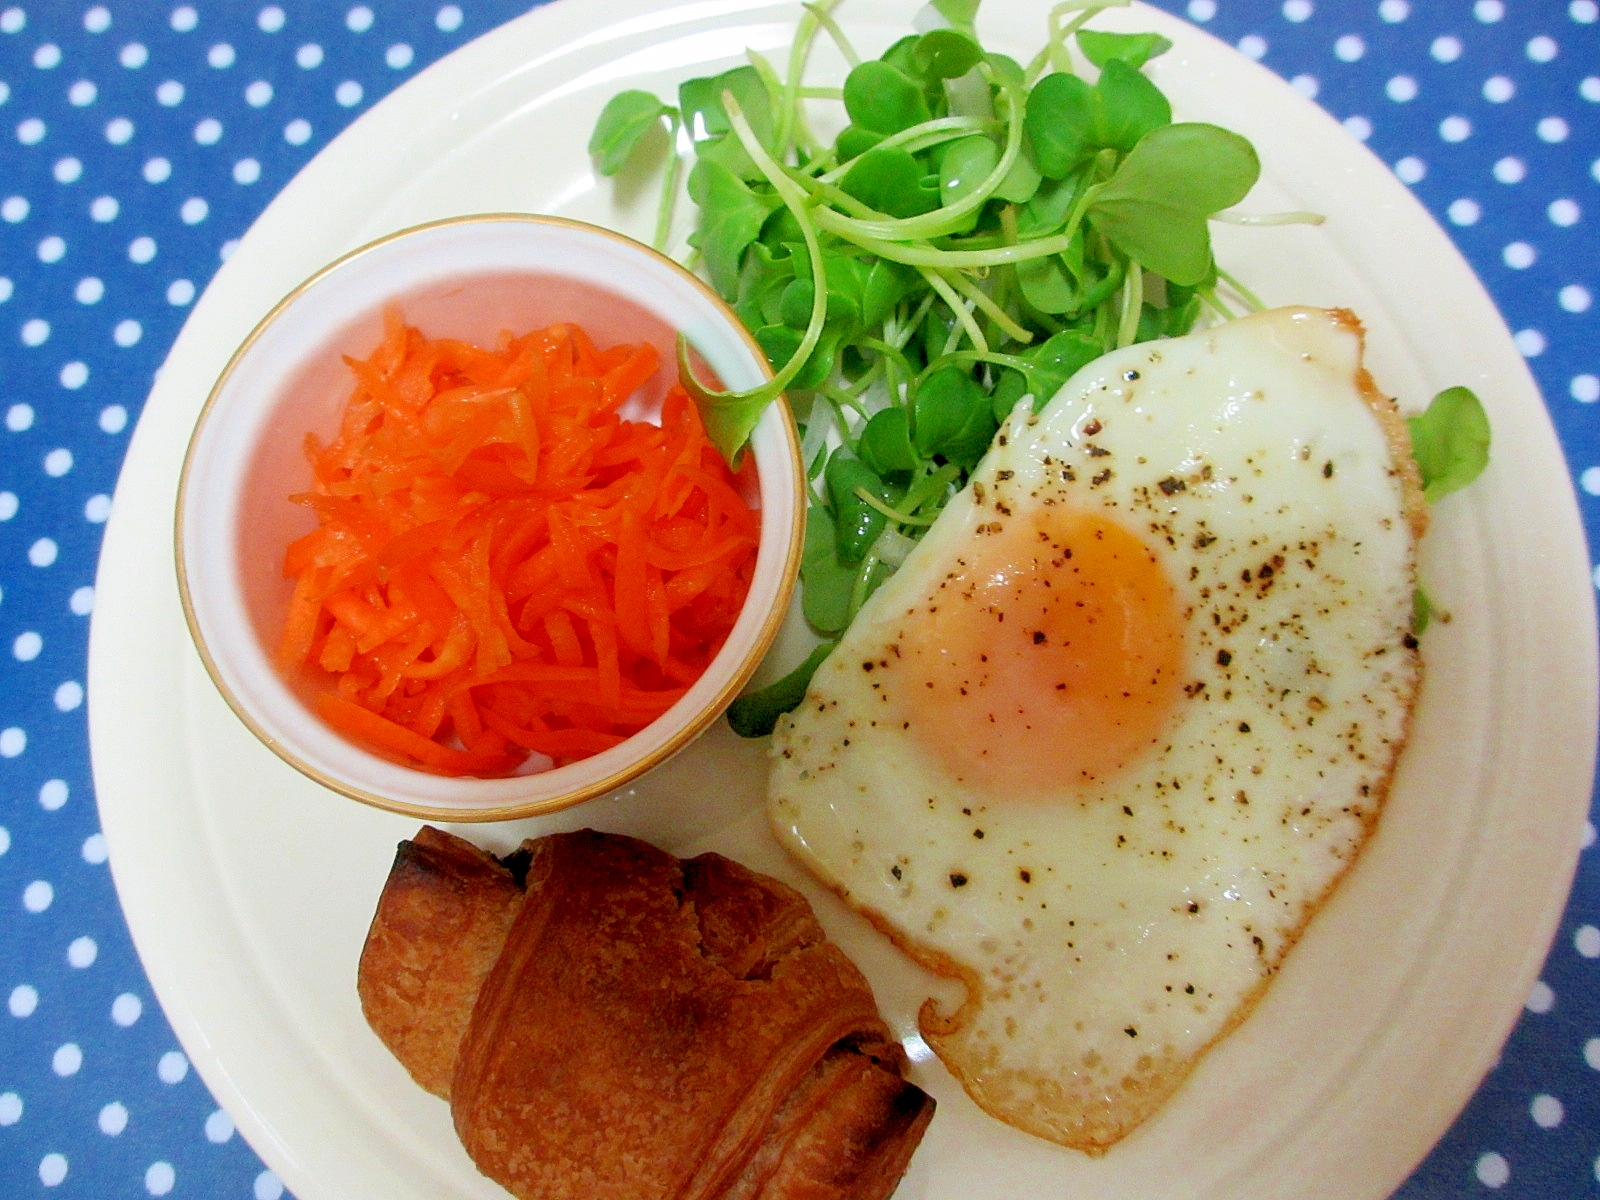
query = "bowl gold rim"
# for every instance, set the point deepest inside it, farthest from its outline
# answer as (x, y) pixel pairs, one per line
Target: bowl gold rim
(690, 729)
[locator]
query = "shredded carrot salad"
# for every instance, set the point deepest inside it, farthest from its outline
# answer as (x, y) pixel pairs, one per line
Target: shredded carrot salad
(503, 565)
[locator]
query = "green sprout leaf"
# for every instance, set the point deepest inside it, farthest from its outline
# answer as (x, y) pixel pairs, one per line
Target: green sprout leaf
(1154, 208)
(627, 119)
(1135, 49)
(1450, 441)
(756, 713)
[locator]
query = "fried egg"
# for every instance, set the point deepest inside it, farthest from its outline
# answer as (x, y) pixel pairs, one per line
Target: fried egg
(1122, 719)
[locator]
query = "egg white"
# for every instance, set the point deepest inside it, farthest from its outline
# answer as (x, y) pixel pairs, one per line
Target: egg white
(1107, 936)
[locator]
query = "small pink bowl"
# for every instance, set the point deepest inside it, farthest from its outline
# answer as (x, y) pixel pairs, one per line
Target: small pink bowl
(470, 278)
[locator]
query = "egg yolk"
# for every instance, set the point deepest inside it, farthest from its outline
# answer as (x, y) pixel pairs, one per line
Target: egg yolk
(1049, 657)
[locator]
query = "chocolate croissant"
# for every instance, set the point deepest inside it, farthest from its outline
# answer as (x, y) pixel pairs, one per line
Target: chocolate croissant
(608, 1021)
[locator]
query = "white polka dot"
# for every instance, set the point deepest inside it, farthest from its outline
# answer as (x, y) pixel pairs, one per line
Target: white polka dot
(67, 170)
(309, 56)
(82, 952)
(159, 1178)
(1349, 48)
(51, 249)
(270, 19)
(1410, 169)
(82, 94)
(53, 794)
(24, 1001)
(1589, 834)
(126, 1009)
(97, 509)
(1575, 298)
(35, 331)
(1394, 11)
(1591, 1053)
(173, 1067)
(297, 132)
(246, 171)
(1564, 212)
(1546, 1111)
(97, 19)
(448, 19)
(1455, 129)
(19, 418)
(10, 1108)
(113, 1119)
(94, 849)
(13, 20)
(1584, 12)
(194, 210)
(1552, 130)
(1489, 11)
(1589, 89)
(219, 1127)
(1543, 49)
(225, 252)
(14, 209)
(157, 170)
(38, 895)
(81, 601)
(8, 505)
(169, 93)
(26, 646)
(5, 839)
(1307, 85)
(133, 56)
(1446, 49)
(1594, 169)
(1253, 45)
(52, 1169)
(1492, 1170)
(180, 292)
(348, 93)
(1401, 88)
(208, 132)
(1510, 170)
(47, 57)
(1586, 941)
(58, 462)
(142, 249)
(1297, 10)
(31, 131)
(127, 333)
(119, 130)
(67, 1060)
(1358, 127)
(68, 696)
(358, 19)
(1530, 342)
(5, 289)
(184, 19)
(399, 56)
(1464, 212)
(1519, 256)
(1497, 89)
(221, 56)
(74, 375)
(268, 1186)
(113, 418)
(258, 94)
(104, 209)
(42, 554)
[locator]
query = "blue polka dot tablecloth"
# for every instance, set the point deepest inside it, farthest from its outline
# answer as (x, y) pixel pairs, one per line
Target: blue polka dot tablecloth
(138, 141)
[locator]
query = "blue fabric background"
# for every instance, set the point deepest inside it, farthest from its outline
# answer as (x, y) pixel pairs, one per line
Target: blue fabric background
(138, 140)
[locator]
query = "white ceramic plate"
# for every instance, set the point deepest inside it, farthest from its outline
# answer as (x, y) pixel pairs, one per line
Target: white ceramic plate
(249, 889)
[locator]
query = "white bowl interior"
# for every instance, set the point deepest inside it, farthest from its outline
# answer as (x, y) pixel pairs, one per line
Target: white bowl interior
(469, 279)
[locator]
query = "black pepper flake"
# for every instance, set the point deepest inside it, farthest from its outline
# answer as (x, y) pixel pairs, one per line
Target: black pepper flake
(895, 870)
(1004, 474)
(978, 833)
(1194, 906)
(1096, 451)
(1130, 375)
(957, 879)
(1093, 427)
(1131, 1031)
(1025, 875)
(1244, 726)
(1100, 478)
(1327, 469)
(1224, 657)
(1410, 641)
(1171, 486)
(868, 665)
(1038, 637)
